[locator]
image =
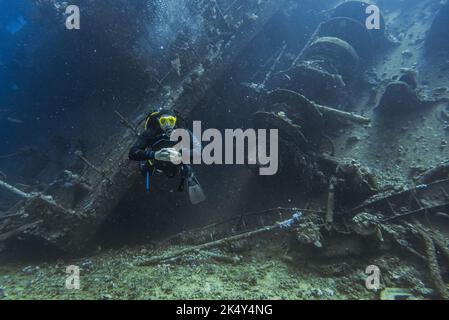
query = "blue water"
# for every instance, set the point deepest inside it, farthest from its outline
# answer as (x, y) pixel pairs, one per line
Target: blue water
(13, 21)
(16, 25)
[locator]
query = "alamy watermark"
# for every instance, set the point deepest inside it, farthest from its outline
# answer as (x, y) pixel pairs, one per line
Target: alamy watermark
(373, 20)
(372, 282)
(73, 20)
(72, 282)
(253, 147)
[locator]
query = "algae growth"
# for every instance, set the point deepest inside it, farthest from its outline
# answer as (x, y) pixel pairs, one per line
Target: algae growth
(117, 274)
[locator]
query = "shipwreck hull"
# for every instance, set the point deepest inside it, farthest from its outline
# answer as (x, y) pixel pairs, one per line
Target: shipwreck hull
(69, 230)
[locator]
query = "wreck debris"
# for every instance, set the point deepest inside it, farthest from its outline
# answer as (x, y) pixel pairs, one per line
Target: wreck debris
(397, 232)
(223, 258)
(393, 203)
(302, 102)
(273, 67)
(225, 241)
(242, 222)
(365, 224)
(409, 76)
(441, 244)
(7, 216)
(70, 189)
(26, 150)
(77, 180)
(80, 155)
(288, 129)
(176, 65)
(402, 96)
(330, 203)
(354, 183)
(46, 217)
(390, 294)
(14, 190)
(260, 87)
(332, 57)
(385, 224)
(399, 97)
(351, 31)
(440, 172)
(126, 123)
(357, 10)
(295, 154)
(422, 210)
(398, 235)
(19, 230)
(300, 56)
(303, 146)
(384, 232)
(434, 269)
(37, 212)
(325, 49)
(308, 232)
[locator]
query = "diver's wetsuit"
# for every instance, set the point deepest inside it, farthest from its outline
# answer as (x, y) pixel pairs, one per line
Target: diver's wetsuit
(153, 140)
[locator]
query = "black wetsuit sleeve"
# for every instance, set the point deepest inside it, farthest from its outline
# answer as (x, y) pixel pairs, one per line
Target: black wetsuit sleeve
(141, 150)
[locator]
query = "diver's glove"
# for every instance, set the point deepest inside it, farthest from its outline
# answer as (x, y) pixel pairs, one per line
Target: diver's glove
(168, 155)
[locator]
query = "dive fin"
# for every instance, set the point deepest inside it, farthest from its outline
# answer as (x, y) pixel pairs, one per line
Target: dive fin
(196, 193)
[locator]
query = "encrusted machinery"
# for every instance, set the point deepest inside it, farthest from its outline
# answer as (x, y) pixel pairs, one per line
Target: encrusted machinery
(336, 54)
(308, 98)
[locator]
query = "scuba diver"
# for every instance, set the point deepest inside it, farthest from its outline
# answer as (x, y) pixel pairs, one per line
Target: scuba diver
(154, 150)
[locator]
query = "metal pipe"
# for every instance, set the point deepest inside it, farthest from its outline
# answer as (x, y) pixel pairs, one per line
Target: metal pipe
(14, 190)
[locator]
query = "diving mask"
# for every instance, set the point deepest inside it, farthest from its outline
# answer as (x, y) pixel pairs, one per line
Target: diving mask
(167, 122)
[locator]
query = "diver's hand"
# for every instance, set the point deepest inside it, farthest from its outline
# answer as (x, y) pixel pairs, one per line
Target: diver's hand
(162, 155)
(175, 156)
(168, 155)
